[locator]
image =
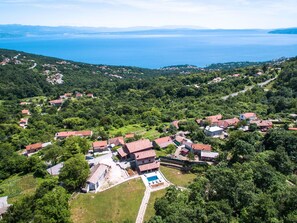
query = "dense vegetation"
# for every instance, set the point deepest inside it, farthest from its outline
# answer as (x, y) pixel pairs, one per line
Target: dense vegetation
(254, 181)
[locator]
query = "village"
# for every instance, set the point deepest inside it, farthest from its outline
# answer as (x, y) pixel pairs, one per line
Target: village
(119, 159)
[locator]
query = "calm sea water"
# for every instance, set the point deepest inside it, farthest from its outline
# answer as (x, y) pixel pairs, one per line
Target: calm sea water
(161, 49)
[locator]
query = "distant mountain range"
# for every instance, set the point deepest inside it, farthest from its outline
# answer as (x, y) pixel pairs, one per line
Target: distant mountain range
(15, 31)
(284, 31)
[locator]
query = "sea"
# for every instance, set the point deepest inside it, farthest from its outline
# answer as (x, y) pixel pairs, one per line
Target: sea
(159, 48)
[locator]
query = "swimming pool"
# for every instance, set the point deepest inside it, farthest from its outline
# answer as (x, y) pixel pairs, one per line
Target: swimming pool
(152, 178)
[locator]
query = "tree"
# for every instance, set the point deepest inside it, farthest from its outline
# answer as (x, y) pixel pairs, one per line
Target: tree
(53, 207)
(75, 145)
(74, 173)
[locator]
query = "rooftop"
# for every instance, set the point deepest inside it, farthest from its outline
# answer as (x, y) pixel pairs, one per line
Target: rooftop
(145, 154)
(139, 145)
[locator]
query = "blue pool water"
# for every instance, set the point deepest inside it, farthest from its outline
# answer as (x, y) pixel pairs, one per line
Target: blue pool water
(152, 178)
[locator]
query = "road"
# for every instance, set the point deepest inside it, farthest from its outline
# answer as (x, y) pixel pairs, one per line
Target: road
(247, 88)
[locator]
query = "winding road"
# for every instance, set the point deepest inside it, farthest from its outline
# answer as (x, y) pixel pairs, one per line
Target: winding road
(262, 84)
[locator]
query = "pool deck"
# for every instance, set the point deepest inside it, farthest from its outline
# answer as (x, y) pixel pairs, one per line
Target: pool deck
(159, 184)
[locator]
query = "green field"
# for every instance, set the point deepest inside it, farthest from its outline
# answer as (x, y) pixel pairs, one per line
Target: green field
(114, 205)
(150, 211)
(137, 129)
(177, 177)
(17, 186)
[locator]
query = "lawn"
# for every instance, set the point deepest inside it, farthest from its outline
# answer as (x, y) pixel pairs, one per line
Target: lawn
(137, 129)
(114, 205)
(177, 177)
(150, 211)
(17, 186)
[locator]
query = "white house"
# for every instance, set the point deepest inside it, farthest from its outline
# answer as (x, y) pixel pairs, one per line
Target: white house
(3, 206)
(213, 131)
(250, 116)
(208, 156)
(96, 178)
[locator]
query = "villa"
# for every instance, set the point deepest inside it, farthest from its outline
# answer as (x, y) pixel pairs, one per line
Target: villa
(213, 131)
(198, 148)
(33, 148)
(248, 116)
(163, 142)
(100, 146)
(96, 178)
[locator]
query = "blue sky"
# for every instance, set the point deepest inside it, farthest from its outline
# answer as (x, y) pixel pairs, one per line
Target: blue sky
(236, 14)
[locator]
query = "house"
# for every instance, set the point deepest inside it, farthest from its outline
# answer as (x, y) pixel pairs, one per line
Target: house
(3, 206)
(63, 135)
(129, 135)
(24, 122)
(175, 124)
(78, 95)
(292, 129)
(208, 156)
(179, 140)
(117, 141)
(137, 146)
(141, 154)
(227, 123)
(66, 96)
(213, 131)
(55, 170)
(97, 177)
(248, 116)
(33, 148)
(235, 75)
(144, 157)
(198, 148)
(263, 125)
(100, 146)
(25, 112)
(90, 95)
(57, 102)
(163, 142)
(150, 167)
(214, 119)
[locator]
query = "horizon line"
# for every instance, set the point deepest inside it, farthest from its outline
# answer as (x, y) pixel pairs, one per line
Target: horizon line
(145, 27)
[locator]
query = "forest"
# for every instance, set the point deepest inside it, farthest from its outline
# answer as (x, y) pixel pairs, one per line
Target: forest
(254, 180)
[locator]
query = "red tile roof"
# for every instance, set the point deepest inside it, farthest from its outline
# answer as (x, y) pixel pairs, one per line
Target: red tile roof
(100, 144)
(293, 129)
(25, 111)
(117, 141)
(249, 115)
(129, 135)
(228, 122)
(164, 141)
(74, 133)
(179, 139)
(121, 152)
(145, 154)
(262, 123)
(58, 101)
(139, 145)
(203, 147)
(34, 146)
(149, 166)
(214, 118)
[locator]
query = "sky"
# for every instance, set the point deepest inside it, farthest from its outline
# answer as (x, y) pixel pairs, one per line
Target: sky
(225, 14)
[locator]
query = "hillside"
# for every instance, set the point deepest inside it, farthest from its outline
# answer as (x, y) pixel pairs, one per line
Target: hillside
(284, 31)
(252, 180)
